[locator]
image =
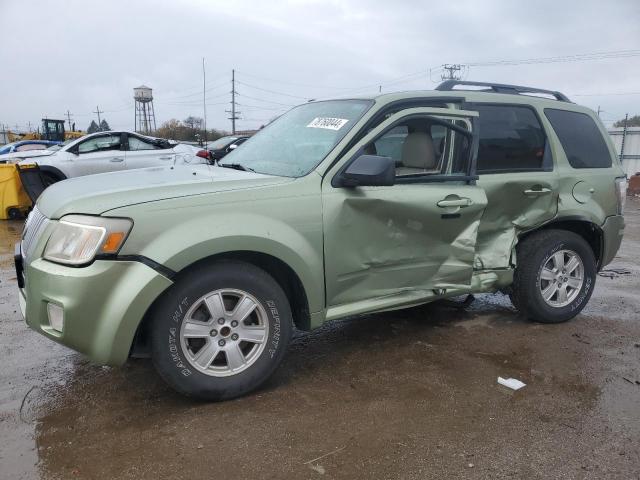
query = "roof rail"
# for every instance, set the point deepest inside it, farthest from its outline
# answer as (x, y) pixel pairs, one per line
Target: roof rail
(449, 85)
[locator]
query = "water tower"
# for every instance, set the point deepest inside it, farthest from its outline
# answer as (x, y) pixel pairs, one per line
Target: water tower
(145, 121)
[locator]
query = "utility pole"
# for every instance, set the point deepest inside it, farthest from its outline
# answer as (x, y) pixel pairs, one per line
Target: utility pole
(624, 137)
(204, 101)
(69, 119)
(233, 112)
(29, 124)
(599, 111)
(451, 69)
(98, 112)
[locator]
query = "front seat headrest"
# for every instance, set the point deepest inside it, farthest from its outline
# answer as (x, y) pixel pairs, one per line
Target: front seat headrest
(418, 151)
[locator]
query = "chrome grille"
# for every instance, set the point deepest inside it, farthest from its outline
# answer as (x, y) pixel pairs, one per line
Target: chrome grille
(33, 227)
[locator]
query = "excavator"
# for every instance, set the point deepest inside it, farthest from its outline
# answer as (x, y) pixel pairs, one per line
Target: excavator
(51, 130)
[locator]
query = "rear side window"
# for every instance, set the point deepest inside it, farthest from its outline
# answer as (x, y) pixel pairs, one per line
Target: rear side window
(511, 140)
(580, 138)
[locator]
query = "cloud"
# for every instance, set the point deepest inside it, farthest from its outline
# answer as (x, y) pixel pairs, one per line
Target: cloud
(79, 55)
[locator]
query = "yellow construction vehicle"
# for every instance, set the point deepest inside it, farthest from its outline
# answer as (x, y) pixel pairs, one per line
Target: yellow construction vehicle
(51, 130)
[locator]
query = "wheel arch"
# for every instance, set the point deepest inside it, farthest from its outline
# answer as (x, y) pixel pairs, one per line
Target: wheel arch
(582, 226)
(281, 272)
(53, 170)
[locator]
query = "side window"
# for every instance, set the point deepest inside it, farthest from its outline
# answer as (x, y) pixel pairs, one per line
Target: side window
(423, 146)
(98, 144)
(580, 137)
(31, 146)
(136, 143)
(511, 140)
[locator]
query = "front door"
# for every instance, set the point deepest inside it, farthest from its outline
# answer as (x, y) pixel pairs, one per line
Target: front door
(141, 153)
(394, 245)
(98, 154)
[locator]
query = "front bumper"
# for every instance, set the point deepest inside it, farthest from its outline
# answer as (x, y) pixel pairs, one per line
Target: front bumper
(612, 232)
(103, 304)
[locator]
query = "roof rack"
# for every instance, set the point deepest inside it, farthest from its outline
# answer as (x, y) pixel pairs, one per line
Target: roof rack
(449, 85)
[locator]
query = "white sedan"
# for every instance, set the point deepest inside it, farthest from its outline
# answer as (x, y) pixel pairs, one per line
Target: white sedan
(109, 152)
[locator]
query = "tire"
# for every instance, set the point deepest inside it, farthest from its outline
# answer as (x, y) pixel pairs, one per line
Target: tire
(14, 213)
(537, 276)
(185, 335)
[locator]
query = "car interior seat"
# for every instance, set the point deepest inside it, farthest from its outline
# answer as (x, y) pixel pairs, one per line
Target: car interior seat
(418, 154)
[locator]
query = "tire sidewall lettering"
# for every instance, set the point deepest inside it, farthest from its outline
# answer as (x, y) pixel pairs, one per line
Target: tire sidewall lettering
(274, 340)
(174, 347)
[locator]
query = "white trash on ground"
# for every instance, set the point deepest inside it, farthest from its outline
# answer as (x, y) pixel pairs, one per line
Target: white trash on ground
(512, 383)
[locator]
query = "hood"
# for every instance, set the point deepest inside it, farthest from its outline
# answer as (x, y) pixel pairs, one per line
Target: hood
(96, 194)
(17, 156)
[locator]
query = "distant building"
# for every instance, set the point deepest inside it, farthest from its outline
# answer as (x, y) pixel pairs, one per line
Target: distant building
(631, 155)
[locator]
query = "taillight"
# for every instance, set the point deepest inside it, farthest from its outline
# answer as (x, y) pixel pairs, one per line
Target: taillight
(203, 154)
(621, 193)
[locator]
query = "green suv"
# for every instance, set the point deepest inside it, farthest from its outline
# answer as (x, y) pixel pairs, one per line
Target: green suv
(337, 208)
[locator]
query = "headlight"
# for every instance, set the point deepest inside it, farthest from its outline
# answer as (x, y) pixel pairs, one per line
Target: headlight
(77, 239)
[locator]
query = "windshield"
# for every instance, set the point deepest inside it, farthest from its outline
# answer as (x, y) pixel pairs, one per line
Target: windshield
(221, 142)
(298, 141)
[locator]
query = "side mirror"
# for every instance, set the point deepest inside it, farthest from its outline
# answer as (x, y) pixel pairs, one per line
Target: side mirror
(369, 171)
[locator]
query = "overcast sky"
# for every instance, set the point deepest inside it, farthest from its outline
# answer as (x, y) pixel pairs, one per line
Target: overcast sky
(77, 55)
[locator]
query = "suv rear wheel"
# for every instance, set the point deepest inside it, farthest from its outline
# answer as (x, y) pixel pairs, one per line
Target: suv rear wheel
(554, 277)
(221, 330)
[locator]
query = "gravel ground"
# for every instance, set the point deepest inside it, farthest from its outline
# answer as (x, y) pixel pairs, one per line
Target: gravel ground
(408, 394)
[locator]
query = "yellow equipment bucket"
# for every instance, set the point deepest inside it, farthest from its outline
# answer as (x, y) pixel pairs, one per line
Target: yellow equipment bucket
(15, 201)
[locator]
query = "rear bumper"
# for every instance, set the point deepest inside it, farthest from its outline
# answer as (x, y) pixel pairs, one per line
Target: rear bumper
(103, 304)
(612, 232)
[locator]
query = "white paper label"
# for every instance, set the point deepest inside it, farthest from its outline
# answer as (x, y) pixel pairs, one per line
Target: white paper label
(328, 123)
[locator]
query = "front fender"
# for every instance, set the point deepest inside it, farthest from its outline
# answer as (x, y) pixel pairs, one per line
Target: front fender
(290, 231)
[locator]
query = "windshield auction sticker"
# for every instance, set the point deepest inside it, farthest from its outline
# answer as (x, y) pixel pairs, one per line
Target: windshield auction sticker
(328, 123)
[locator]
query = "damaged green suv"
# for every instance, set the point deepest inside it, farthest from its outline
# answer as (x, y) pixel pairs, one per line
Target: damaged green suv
(338, 208)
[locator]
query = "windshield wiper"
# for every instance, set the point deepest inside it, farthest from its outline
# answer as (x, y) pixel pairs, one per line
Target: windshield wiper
(236, 166)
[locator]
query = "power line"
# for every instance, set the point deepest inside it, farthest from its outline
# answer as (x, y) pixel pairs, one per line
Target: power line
(270, 91)
(204, 100)
(233, 112)
(98, 112)
(198, 92)
(266, 101)
(260, 107)
(452, 71)
(604, 94)
(559, 59)
(69, 118)
(196, 102)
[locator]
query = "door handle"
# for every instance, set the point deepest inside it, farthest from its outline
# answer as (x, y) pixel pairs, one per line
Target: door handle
(455, 202)
(165, 158)
(117, 159)
(537, 192)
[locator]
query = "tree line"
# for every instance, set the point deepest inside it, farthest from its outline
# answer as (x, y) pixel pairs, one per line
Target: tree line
(94, 127)
(188, 130)
(631, 122)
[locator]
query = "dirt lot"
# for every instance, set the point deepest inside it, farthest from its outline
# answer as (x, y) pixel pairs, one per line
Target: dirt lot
(409, 394)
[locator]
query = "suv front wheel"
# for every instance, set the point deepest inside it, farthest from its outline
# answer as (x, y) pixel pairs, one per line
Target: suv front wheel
(554, 277)
(221, 330)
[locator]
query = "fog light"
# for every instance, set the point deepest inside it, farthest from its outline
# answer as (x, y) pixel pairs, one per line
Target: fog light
(56, 316)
